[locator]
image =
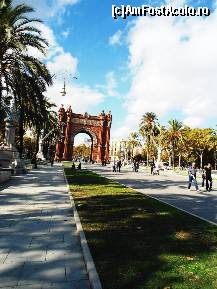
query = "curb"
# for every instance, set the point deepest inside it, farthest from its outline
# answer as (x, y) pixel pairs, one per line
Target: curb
(90, 266)
(164, 202)
(192, 214)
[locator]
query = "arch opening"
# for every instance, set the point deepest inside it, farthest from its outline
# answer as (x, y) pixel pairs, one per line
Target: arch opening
(82, 146)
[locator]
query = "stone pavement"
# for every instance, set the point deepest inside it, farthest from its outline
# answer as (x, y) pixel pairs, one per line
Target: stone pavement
(39, 244)
(167, 187)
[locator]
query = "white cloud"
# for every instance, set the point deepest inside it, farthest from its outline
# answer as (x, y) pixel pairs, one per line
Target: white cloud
(64, 65)
(111, 84)
(65, 33)
(173, 63)
(175, 3)
(81, 98)
(115, 39)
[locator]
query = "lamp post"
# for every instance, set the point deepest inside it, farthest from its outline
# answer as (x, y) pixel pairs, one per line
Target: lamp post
(64, 74)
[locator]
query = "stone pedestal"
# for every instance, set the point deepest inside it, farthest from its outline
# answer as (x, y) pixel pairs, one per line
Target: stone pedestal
(10, 159)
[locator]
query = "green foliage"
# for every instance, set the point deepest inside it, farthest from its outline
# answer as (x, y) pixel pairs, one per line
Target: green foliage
(180, 143)
(81, 151)
(21, 75)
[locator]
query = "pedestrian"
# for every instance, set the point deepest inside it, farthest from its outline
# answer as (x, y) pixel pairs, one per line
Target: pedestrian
(51, 160)
(157, 169)
(152, 168)
(208, 176)
(79, 166)
(114, 167)
(203, 177)
(137, 166)
(192, 171)
(73, 166)
(119, 166)
(134, 166)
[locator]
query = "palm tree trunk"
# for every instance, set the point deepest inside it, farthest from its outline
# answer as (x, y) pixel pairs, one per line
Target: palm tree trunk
(179, 161)
(159, 151)
(173, 158)
(38, 133)
(170, 160)
(21, 131)
(201, 160)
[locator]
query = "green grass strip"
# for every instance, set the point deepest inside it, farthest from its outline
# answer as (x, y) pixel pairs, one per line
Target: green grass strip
(139, 243)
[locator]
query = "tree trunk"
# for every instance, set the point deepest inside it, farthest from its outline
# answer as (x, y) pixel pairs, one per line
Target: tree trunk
(170, 161)
(159, 151)
(201, 160)
(21, 131)
(173, 158)
(179, 160)
(38, 133)
(147, 157)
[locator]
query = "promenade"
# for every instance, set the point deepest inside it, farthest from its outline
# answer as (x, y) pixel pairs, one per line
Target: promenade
(167, 187)
(39, 244)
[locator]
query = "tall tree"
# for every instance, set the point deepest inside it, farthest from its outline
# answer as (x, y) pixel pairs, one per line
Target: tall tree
(174, 136)
(147, 129)
(133, 142)
(17, 35)
(25, 76)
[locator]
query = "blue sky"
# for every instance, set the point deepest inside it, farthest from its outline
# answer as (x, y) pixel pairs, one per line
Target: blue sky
(132, 66)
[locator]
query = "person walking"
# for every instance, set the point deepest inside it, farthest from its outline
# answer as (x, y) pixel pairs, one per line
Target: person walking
(152, 168)
(192, 171)
(208, 175)
(119, 166)
(73, 166)
(114, 167)
(79, 166)
(203, 177)
(157, 168)
(51, 160)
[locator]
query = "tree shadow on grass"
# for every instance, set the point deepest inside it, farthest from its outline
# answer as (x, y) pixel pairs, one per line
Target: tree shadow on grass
(140, 243)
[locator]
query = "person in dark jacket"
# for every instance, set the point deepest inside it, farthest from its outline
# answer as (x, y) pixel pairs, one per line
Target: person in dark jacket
(208, 175)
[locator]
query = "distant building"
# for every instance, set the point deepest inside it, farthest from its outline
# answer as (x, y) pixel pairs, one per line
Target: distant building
(122, 149)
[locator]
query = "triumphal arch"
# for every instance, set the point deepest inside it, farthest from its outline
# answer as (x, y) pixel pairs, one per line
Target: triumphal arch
(97, 127)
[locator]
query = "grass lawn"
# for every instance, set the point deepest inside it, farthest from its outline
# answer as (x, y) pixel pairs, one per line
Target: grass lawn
(139, 243)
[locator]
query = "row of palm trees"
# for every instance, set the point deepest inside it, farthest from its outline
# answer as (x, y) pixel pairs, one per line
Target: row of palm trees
(23, 77)
(176, 142)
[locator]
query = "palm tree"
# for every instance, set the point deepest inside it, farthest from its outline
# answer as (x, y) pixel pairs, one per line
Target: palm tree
(133, 141)
(20, 73)
(148, 129)
(174, 136)
(17, 35)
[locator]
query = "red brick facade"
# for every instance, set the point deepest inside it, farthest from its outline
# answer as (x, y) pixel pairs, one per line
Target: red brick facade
(97, 127)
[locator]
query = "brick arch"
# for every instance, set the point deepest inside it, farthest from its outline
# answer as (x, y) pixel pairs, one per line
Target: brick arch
(98, 127)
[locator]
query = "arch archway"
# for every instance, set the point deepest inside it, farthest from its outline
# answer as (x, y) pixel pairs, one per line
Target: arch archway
(97, 127)
(92, 138)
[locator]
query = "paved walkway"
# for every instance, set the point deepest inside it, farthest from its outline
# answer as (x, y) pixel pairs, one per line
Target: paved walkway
(39, 245)
(168, 188)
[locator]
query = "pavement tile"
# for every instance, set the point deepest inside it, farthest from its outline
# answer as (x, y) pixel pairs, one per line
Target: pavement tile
(41, 272)
(39, 244)
(10, 274)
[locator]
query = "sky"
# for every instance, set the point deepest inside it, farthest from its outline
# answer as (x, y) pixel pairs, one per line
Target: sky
(165, 65)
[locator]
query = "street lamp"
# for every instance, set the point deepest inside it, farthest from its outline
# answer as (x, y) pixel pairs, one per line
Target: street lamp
(64, 74)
